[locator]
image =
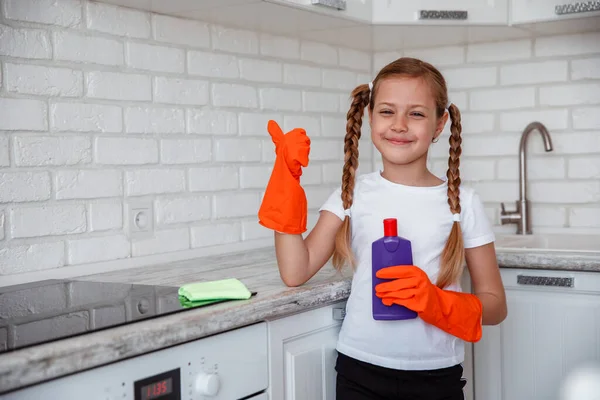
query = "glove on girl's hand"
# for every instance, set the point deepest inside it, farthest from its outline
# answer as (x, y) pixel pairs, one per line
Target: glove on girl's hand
(283, 207)
(459, 314)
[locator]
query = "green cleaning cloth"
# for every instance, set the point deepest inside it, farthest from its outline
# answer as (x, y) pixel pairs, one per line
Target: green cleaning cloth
(202, 293)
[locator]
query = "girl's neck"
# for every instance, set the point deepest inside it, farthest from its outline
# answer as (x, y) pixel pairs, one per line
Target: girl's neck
(413, 174)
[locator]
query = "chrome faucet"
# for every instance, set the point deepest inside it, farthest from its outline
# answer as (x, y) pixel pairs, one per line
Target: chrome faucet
(522, 216)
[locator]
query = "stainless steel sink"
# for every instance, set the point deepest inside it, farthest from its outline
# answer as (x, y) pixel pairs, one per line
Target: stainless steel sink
(571, 243)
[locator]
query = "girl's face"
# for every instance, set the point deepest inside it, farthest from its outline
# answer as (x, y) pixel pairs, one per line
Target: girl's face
(403, 121)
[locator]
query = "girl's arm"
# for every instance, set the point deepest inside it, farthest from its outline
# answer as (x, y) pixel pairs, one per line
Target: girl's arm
(487, 282)
(299, 259)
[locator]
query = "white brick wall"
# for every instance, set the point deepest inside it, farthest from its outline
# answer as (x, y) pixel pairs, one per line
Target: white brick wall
(154, 120)
(81, 251)
(47, 220)
(105, 215)
(102, 106)
(125, 151)
(185, 151)
(180, 31)
(155, 58)
(85, 117)
(75, 47)
(25, 42)
(23, 114)
(43, 81)
(154, 181)
(503, 87)
(207, 122)
(182, 209)
(62, 13)
(117, 20)
(117, 86)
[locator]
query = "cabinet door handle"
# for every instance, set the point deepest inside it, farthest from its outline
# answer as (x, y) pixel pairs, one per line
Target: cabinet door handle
(339, 314)
(557, 281)
(576, 8)
(443, 14)
(335, 4)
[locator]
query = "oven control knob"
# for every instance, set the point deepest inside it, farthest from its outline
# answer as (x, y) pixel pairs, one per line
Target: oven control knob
(207, 384)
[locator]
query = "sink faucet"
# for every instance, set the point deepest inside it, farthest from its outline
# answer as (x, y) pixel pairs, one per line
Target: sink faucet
(522, 216)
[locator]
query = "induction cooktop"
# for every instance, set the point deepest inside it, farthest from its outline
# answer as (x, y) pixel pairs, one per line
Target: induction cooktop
(44, 311)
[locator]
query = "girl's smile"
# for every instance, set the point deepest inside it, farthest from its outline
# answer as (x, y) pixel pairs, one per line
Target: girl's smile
(398, 141)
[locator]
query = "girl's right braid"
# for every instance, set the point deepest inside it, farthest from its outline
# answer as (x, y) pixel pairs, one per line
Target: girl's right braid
(360, 99)
(353, 133)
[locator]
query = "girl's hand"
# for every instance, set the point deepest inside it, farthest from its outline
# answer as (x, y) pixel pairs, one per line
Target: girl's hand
(459, 314)
(293, 146)
(284, 206)
(410, 287)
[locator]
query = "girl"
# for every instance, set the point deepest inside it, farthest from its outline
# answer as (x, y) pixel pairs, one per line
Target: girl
(446, 224)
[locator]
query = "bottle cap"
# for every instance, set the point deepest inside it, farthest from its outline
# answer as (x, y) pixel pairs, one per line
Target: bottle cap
(390, 227)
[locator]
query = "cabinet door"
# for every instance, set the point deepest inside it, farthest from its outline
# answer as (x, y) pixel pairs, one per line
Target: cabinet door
(302, 354)
(354, 10)
(549, 331)
(527, 11)
(441, 12)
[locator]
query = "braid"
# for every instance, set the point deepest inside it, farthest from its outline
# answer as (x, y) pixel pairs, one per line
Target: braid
(453, 173)
(360, 99)
(454, 252)
(353, 133)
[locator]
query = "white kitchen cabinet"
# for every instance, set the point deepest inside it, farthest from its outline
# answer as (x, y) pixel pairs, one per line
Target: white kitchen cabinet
(302, 354)
(530, 11)
(441, 12)
(550, 329)
(357, 10)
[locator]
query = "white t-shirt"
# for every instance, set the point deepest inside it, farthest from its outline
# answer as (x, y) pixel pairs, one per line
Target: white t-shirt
(424, 218)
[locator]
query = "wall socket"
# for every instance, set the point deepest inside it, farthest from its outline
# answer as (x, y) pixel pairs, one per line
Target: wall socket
(140, 217)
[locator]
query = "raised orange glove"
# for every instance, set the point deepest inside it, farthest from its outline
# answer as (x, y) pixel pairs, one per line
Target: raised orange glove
(459, 314)
(283, 207)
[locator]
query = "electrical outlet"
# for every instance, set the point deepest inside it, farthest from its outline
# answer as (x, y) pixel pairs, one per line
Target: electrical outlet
(141, 219)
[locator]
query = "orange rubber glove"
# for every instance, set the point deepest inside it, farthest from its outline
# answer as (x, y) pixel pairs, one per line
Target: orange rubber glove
(459, 314)
(284, 206)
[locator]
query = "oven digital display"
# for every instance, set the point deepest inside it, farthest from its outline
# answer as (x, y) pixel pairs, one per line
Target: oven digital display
(163, 386)
(158, 389)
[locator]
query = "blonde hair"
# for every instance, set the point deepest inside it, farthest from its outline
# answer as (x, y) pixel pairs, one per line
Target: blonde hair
(452, 259)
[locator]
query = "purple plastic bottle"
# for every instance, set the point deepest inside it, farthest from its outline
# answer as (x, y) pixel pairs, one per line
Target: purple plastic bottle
(388, 251)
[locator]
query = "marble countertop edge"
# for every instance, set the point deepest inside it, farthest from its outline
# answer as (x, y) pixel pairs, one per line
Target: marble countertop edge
(565, 261)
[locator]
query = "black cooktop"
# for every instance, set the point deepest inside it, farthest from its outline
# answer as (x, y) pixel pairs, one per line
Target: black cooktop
(44, 311)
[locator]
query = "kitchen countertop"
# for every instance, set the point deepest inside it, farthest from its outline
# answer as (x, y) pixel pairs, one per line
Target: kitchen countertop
(257, 269)
(551, 260)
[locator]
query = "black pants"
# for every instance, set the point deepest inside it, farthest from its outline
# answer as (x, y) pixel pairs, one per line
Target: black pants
(357, 380)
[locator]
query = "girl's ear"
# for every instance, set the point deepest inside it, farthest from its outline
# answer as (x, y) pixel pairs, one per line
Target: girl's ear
(370, 115)
(440, 124)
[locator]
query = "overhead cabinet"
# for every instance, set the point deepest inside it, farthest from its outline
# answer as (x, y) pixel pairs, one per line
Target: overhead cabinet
(441, 12)
(357, 10)
(530, 11)
(294, 16)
